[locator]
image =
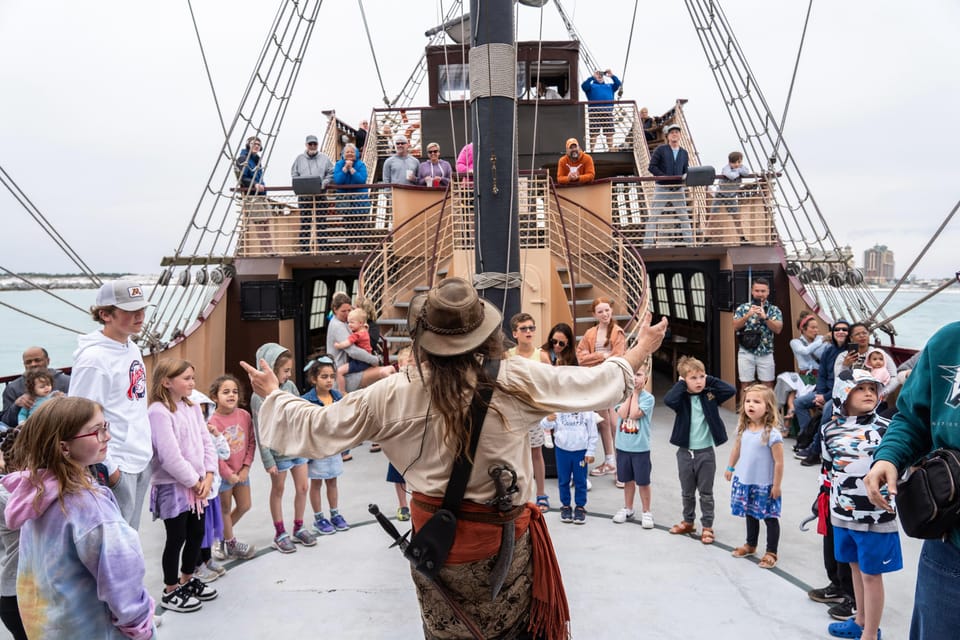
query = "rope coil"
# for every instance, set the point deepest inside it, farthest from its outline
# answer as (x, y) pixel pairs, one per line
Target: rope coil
(490, 71)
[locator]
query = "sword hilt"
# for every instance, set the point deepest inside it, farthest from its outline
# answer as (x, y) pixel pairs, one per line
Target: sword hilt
(398, 539)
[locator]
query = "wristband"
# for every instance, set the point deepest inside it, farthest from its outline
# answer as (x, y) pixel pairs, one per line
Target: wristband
(731, 469)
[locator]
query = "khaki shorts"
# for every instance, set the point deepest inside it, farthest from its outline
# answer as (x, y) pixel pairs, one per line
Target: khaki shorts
(753, 367)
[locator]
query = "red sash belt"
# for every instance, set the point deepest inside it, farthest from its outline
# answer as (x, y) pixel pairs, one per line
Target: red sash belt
(478, 538)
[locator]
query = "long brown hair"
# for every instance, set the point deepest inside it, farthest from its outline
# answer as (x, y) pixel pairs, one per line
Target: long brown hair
(613, 321)
(771, 418)
(167, 369)
(37, 447)
(453, 381)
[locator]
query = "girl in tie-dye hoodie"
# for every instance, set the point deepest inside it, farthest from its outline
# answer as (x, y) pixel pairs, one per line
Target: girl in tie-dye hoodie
(81, 566)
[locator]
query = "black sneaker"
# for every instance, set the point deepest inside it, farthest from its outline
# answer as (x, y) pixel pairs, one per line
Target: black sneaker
(200, 590)
(811, 460)
(180, 599)
(830, 593)
(566, 514)
(843, 611)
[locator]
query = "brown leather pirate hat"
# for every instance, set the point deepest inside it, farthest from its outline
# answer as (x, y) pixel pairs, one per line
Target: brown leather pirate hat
(451, 318)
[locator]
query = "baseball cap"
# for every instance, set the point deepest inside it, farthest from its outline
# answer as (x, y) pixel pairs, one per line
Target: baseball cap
(572, 141)
(312, 139)
(122, 294)
(670, 127)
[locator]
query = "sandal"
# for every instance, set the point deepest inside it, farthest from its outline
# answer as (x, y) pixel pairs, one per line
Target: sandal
(706, 536)
(346, 457)
(603, 469)
(543, 503)
(374, 447)
(683, 528)
(768, 561)
(743, 551)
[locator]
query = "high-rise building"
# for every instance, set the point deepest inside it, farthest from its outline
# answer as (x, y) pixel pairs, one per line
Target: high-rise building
(878, 265)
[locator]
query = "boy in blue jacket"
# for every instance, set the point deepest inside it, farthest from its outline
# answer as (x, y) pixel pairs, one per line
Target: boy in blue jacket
(696, 398)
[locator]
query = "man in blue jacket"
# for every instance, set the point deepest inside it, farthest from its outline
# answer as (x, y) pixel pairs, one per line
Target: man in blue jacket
(601, 115)
(672, 160)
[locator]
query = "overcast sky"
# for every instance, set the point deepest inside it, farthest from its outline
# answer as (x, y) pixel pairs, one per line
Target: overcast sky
(108, 124)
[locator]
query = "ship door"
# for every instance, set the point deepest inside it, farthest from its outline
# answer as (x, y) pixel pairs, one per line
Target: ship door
(315, 288)
(685, 294)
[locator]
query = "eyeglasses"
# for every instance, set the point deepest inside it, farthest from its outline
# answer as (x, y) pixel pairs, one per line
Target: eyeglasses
(558, 343)
(400, 144)
(312, 144)
(103, 430)
(528, 329)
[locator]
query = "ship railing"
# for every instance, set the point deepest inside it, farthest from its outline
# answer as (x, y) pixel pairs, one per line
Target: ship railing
(721, 214)
(589, 249)
(611, 126)
(350, 219)
(384, 125)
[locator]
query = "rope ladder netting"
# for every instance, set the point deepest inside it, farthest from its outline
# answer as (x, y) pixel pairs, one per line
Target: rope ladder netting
(210, 239)
(812, 253)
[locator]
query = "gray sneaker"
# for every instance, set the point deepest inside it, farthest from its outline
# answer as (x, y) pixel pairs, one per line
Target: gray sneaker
(216, 567)
(239, 550)
(284, 543)
(205, 574)
(218, 550)
(304, 537)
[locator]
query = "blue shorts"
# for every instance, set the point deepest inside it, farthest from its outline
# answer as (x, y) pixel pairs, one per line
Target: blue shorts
(355, 366)
(634, 466)
(328, 468)
(876, 553)
(289, 463)
(226, 486)
(394, 476)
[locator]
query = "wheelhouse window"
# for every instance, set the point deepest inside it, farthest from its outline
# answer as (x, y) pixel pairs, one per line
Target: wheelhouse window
(453, 82)
(550, 79)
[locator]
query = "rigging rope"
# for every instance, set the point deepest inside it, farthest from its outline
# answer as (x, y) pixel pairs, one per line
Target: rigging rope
(35, 317)
(206, 68)
(44, 289)
(796, 65)
(904, 277)
(34, 212)
(373, 52)
(626, 59)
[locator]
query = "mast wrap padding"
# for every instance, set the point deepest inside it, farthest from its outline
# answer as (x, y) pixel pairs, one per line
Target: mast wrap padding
(493, 71)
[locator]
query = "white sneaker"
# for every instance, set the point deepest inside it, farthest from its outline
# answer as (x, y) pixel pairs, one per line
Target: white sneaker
(646, 520)
(623, 515)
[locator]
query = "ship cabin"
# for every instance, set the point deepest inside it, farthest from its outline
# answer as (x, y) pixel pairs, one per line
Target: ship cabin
(388, 242)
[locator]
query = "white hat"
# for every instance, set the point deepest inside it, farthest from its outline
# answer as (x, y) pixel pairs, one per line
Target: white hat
(670, 127)
(122, 294)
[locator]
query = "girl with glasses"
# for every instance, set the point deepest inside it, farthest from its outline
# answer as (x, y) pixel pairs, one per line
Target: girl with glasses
(97, 577)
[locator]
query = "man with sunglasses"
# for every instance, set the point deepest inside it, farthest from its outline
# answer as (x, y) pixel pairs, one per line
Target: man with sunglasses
(311, 163)
(401, 167)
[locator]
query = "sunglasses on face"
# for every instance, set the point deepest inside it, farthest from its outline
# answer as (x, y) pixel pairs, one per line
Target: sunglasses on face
(433, 151)
(527, 329)
(558, 343)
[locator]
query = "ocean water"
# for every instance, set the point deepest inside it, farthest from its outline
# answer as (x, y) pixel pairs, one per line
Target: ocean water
(20, 331)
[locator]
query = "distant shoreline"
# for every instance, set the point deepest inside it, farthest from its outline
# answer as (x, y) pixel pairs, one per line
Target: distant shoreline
(47, 281)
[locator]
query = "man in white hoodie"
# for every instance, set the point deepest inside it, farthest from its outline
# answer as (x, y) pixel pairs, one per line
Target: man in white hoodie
(108, 369)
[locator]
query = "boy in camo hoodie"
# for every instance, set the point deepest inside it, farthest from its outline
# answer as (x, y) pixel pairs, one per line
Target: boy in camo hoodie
(864, 535)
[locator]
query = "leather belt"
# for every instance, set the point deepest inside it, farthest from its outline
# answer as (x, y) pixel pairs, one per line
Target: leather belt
(491, 517)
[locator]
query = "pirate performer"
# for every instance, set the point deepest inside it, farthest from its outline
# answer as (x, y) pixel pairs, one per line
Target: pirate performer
(471, 580)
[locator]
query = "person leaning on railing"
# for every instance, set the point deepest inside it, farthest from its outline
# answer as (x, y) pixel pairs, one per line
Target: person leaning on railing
(350, 169)
(576, 166)
(669, 161)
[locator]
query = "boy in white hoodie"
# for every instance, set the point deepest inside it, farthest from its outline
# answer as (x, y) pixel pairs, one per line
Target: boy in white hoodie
(108, 369)
(575, 439)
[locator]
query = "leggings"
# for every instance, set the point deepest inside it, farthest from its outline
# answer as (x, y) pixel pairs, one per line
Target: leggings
(184, 533)
(10, 615)
(773, 532)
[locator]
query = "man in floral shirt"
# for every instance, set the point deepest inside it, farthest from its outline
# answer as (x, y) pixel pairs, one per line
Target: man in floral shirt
(756, 322)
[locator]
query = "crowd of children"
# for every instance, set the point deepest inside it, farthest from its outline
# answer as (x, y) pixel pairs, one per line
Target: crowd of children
(204, 446)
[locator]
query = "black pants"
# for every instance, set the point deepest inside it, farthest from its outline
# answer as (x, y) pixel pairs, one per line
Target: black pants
(838, 572)
(773, 532)
(10, 615)
(184, 534)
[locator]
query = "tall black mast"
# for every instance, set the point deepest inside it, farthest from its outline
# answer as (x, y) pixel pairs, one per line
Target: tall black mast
(493, 87)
